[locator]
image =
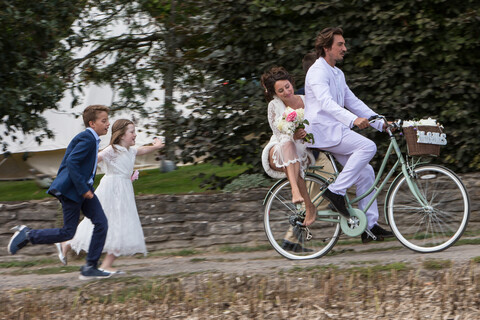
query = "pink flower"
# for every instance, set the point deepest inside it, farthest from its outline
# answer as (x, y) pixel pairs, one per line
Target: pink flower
(135, 175)
(292, 116)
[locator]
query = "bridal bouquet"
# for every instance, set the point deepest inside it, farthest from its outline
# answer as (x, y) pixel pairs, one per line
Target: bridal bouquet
(292, 120)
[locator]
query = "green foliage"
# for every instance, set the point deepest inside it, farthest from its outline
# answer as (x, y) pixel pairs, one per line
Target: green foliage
(181, 181)
(407, 59)
(32, 62)
(248, 181)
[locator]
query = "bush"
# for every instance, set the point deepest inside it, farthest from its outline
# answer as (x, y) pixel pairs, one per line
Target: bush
(248, 181)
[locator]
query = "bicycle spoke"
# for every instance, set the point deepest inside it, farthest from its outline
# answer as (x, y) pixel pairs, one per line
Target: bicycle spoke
(293, 241)
(436, 226)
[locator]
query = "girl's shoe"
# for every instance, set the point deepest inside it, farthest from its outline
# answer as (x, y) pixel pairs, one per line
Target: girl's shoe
(113, 272)
(61, 256)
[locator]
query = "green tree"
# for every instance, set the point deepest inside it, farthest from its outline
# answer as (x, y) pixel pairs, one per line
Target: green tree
(406, 60)
(136, 48)
(32, 63)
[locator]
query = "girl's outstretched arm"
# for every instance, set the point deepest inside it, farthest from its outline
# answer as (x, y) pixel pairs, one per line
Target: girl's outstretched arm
(157, 144)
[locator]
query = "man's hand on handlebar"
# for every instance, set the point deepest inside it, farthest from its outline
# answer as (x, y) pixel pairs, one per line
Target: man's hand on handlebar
(361, 123)
(388, 124)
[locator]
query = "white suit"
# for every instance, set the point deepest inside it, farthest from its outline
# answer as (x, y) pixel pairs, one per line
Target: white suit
(331, 108)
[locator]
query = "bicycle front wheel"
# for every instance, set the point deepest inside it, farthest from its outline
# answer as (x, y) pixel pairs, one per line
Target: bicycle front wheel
(290, 240)
(440, 223)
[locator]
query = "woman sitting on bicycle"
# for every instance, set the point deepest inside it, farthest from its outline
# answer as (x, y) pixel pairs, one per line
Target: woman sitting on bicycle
(286, 155)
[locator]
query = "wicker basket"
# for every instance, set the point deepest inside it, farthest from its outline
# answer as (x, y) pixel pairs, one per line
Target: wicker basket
(420, 149)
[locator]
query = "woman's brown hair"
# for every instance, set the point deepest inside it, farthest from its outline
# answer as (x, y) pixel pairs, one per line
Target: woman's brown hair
(270, 77)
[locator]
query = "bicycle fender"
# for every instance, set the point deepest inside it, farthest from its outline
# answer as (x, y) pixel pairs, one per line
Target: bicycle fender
(272, 188)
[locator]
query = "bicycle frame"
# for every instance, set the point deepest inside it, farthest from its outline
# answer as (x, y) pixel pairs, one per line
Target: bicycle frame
(406, 170)
(426, 206)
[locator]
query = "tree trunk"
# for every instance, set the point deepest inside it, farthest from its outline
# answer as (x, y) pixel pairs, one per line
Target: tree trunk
(168, 107)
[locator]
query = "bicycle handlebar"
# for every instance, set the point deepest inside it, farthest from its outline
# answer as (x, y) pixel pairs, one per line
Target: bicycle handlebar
(394, 125)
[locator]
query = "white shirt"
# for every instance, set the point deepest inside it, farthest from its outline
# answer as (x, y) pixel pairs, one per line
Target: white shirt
(97, 139)
(330, 105)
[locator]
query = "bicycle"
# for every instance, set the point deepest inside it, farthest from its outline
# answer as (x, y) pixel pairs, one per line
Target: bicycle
(427, 207)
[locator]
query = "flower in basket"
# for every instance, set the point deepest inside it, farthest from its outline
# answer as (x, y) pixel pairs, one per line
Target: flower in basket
(422, 122)
(425, 131)
(291, 120)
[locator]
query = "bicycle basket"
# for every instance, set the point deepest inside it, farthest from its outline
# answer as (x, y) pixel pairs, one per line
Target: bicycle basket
(424, 140)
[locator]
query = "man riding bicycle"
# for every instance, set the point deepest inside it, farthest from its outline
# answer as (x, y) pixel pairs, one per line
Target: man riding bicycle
(327, 98)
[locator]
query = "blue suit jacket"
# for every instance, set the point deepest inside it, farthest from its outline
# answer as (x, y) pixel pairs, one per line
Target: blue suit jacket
(76, 168)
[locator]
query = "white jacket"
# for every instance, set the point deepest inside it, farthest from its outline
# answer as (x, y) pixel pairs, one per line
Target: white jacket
(330, 105)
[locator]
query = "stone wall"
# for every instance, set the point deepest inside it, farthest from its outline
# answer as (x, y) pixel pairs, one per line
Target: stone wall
(175, 222)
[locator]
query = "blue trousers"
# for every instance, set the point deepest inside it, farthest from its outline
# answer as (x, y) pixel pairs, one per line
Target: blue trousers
(92, 209)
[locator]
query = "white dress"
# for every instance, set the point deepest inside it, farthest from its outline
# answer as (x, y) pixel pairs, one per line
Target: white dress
(276, 107)
(115, 193)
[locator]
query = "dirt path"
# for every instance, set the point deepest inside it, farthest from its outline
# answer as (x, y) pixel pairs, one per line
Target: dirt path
(241, 263)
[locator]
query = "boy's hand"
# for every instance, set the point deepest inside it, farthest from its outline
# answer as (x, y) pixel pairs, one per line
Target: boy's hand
(88, 194)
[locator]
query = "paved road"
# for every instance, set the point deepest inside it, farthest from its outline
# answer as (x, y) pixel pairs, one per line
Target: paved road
(241, 263)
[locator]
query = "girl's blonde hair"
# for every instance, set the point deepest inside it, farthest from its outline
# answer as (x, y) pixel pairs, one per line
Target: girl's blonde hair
(118, 130)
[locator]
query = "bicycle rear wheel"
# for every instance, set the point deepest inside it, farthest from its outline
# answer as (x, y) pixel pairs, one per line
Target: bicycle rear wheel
(289, 239)
(434, 227)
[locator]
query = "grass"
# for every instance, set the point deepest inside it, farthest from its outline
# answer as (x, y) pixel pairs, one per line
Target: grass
(180, 253)
(152, 181)
(392, 291)
(436, 264)
(461, 241)
(297, 269)
(235, 249)
(370, 271)
(27, 264)
(21, 191)
(47, 270)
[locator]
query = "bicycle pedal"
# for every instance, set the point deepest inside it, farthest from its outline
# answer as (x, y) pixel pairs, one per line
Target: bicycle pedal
(309, 235)
(370, 233)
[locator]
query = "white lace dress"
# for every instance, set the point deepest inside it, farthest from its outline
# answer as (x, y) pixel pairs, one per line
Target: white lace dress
(286, 149)
(115, 192)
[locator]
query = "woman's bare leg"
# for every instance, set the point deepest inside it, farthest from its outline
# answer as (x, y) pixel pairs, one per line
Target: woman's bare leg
(293, 173)
(65, 247)
(108, 262)
(311, 210)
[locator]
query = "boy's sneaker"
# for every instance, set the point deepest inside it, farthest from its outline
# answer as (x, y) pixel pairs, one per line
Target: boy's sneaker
(88, 272)
(19, 239)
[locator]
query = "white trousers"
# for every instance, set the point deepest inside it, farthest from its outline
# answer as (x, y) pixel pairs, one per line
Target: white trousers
(354, 153)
